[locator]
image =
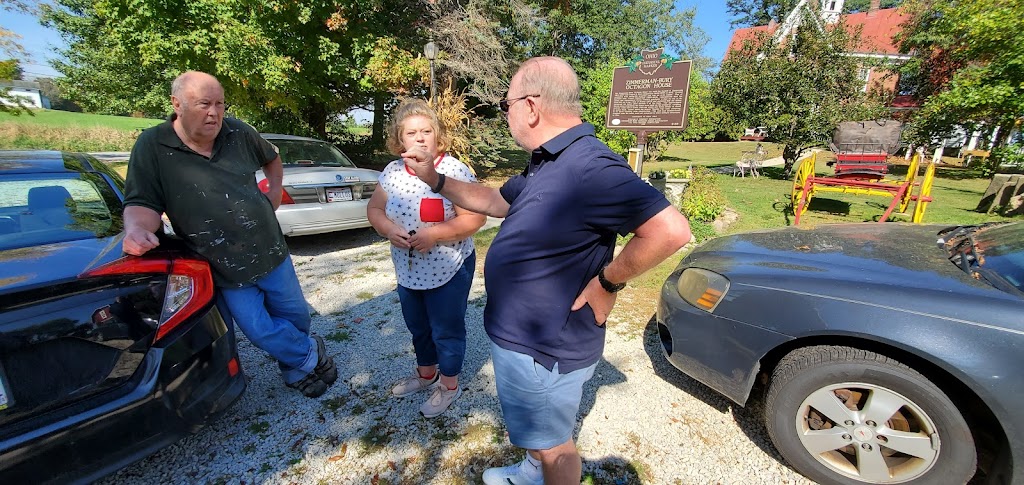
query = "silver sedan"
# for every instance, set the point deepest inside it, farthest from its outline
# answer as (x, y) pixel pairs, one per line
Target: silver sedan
(323, 190)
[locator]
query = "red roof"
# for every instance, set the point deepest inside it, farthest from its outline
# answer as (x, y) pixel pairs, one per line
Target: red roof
(739, 36)
(878, 29)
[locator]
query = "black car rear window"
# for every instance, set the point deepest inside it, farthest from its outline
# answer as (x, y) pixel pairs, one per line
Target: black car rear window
(310, 152)
(40, 209)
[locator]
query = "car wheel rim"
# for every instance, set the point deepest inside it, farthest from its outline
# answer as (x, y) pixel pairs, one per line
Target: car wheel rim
(867, 433)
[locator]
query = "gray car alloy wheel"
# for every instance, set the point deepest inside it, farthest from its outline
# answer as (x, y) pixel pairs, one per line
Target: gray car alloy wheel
(844, 415)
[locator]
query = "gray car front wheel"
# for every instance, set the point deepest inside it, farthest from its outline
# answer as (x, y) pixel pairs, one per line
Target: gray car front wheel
(844, 415)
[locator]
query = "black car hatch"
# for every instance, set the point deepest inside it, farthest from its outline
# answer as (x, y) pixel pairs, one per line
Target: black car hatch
(83, 338)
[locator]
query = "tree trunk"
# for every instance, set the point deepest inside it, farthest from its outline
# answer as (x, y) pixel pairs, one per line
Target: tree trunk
(377, 130)
(316, 117)
(789, 155)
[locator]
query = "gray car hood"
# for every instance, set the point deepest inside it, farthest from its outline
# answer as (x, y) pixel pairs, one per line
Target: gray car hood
(903, 255)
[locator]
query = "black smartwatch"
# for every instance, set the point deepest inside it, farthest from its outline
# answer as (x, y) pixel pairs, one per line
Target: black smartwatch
(608, 285)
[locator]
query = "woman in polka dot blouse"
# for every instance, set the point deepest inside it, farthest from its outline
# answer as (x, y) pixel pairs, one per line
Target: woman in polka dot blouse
(432, 249)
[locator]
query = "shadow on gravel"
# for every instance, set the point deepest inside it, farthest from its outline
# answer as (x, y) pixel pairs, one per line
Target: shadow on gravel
(748, 418)
(317, 244)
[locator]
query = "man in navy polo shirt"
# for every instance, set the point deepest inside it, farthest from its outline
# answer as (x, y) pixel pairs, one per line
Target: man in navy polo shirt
(550, 276)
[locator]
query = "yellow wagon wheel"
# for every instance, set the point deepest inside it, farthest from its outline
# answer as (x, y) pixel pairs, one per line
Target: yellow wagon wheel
(911, 178)
(805, 171)
(924, 196)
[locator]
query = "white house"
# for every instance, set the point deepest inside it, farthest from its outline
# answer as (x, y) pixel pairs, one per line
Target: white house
(28, 91)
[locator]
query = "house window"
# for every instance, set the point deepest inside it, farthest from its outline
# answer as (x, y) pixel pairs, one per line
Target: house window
(863, 74)
(906, 85)
(832, 6)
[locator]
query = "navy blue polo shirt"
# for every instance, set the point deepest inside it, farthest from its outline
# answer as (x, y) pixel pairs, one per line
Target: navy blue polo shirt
(566, 209)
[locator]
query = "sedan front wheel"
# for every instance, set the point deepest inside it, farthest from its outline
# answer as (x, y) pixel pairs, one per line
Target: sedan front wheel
(842, 415)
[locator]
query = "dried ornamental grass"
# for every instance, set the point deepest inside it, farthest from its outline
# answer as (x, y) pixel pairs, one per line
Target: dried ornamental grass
(454, 117)
(69, 138)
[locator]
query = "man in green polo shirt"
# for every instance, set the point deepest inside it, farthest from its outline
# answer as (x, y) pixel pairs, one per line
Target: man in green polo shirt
(199, 168)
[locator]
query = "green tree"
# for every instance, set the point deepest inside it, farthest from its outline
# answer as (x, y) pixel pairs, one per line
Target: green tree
(746, 13)
(969, 59)
(284, 65)
(799, 89)
(484, 40)
(11, 68)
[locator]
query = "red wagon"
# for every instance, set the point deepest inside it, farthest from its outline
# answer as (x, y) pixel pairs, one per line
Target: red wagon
(862, 148)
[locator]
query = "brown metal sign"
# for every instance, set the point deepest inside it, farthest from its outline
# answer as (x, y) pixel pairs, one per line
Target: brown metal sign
(650, 93)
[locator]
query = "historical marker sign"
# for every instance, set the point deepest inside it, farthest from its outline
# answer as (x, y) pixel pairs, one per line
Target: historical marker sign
(651, 93)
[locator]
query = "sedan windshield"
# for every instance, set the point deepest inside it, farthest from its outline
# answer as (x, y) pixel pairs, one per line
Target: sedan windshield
(311, 153)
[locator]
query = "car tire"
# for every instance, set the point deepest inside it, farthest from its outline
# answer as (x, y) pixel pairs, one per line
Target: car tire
(844, 415)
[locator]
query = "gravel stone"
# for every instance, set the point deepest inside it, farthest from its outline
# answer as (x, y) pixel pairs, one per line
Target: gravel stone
(641, 420)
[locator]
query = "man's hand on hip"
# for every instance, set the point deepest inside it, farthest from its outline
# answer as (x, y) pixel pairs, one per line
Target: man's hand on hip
(601, 302)
(138, 241)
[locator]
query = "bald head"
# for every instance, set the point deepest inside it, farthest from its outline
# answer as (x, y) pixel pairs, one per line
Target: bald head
(198, 101)
(555, 81)
(191, 79)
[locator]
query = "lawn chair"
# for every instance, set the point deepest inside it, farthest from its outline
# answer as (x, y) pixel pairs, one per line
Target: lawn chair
(750, 161)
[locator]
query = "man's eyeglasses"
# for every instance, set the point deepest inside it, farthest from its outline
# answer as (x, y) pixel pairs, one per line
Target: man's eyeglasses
(504, 104)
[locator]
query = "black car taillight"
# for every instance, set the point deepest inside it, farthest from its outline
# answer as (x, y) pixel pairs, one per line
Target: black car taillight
(264, 186)
(189, 285)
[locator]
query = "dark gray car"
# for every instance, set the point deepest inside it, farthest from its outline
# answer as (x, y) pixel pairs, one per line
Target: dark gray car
(890, 353)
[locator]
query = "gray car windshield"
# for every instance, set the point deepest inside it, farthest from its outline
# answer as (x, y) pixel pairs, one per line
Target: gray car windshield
(311, 153)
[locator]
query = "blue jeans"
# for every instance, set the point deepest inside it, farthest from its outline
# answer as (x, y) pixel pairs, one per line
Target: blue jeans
(437, 320)
(274, 315)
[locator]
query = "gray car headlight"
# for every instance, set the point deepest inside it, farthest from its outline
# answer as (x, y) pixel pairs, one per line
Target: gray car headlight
(702, 288)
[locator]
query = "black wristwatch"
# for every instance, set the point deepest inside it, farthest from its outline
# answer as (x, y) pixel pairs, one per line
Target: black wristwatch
(608, 285)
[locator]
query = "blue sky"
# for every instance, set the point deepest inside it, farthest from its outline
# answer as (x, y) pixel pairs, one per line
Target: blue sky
(40, 42)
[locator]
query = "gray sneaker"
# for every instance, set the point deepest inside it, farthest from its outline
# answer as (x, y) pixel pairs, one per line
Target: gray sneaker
(413, 383)
(439, 400)
(513, 474)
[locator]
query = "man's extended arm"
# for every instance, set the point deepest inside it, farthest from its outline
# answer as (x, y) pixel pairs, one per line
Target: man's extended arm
(140, 226)
(474, 197)
(274, 171)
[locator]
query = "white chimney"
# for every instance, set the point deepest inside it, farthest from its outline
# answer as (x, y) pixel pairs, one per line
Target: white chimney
(831, 10)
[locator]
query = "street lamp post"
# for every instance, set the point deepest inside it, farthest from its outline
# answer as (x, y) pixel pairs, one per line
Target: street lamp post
(430, 50)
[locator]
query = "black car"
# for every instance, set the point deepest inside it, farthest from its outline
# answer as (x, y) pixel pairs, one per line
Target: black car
(104, 358)
(887, 353)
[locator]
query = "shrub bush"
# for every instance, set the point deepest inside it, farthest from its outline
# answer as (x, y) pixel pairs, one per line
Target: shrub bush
(702, 231)
(703, 200)
(679, 173)
(1008, 156)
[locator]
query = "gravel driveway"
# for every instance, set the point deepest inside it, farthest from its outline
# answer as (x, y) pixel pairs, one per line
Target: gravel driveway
(642, 421)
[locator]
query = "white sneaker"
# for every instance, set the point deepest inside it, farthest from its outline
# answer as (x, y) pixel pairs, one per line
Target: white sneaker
(413, 383)
(518, 474)
(440, 399)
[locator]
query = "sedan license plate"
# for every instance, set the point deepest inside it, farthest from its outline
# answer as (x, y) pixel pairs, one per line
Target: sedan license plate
(340, 194)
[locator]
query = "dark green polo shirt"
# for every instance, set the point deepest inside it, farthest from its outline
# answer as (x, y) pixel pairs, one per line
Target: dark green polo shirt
(213, 203)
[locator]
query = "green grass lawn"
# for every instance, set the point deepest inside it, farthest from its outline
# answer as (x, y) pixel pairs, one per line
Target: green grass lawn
(64, 130)
(54, 118)
(764, 203)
